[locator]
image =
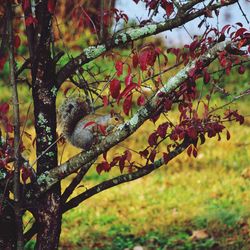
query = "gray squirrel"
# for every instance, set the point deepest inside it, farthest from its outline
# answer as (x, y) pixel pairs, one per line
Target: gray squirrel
(83, 129)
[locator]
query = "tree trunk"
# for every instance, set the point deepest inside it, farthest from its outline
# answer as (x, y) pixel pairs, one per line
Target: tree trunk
(48, 208)
(49, 220)
(48, 211)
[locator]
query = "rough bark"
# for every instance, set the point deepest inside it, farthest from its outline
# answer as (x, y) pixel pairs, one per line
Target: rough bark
(47, 208)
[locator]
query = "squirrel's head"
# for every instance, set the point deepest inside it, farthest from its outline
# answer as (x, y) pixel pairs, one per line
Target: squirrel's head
(116, 118)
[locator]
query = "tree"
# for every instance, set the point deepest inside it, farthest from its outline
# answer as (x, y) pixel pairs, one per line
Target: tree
(46, 69)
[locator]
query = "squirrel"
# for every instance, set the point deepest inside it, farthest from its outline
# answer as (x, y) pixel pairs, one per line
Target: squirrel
(82, 129)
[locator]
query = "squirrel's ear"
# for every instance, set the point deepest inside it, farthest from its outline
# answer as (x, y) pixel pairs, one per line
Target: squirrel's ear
(112, 112)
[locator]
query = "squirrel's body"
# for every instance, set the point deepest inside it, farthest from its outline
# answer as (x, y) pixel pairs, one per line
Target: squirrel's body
(82, 129)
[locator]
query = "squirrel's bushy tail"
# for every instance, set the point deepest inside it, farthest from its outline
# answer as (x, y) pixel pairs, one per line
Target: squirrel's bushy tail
(70, 112)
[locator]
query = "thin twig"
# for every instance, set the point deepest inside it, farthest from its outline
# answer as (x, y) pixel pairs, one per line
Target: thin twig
(16, 122)
(243, 13)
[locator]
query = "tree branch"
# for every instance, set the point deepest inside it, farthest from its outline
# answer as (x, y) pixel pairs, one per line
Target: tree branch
(70, 189)
(24, 66)
(16, 123)
(30, 30)
(74, 202)
(133, 34)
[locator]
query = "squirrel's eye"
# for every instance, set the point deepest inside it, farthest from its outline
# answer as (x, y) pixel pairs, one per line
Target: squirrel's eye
(116, 119)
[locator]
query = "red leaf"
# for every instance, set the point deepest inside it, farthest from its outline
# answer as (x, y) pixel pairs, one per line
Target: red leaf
(128, 155)
(89, 124)
(4, 108)
(25, 174)
(106, 166)
(228, 135)
(51, 6)
(154, 118)
(127, 90)
(202, 138)
(152, 155)
(105, 156)
(152, 139)
(25, 4)
(162, 130)
(195, 152)
(221, 38)
(102, 129)
(119, 68)
(135, 60)
(167, 104)
(144, 153)
(30, 20)
(158, 50)
(128, 79)
(99, 168)
(127, 104)
(2, 62)
(17, 41)
(114, 161)
(206, 77)
(241, 44)
(239, 24)
(103, 166)
(141, 100)
(240, 32)
(192, 133)
(105, 101)
(225, 28)
(189, 150)
(169, 8)
(143, 60)
(166, 158)
(9, 128)
(151, 57)
(194, 45)
(241, 69)
(122, 163)
(115, 87)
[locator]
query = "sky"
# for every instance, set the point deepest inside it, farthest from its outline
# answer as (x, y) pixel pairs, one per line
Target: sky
(179, 36)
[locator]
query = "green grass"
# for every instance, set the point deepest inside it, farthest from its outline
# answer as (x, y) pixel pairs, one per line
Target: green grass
(162, 210)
